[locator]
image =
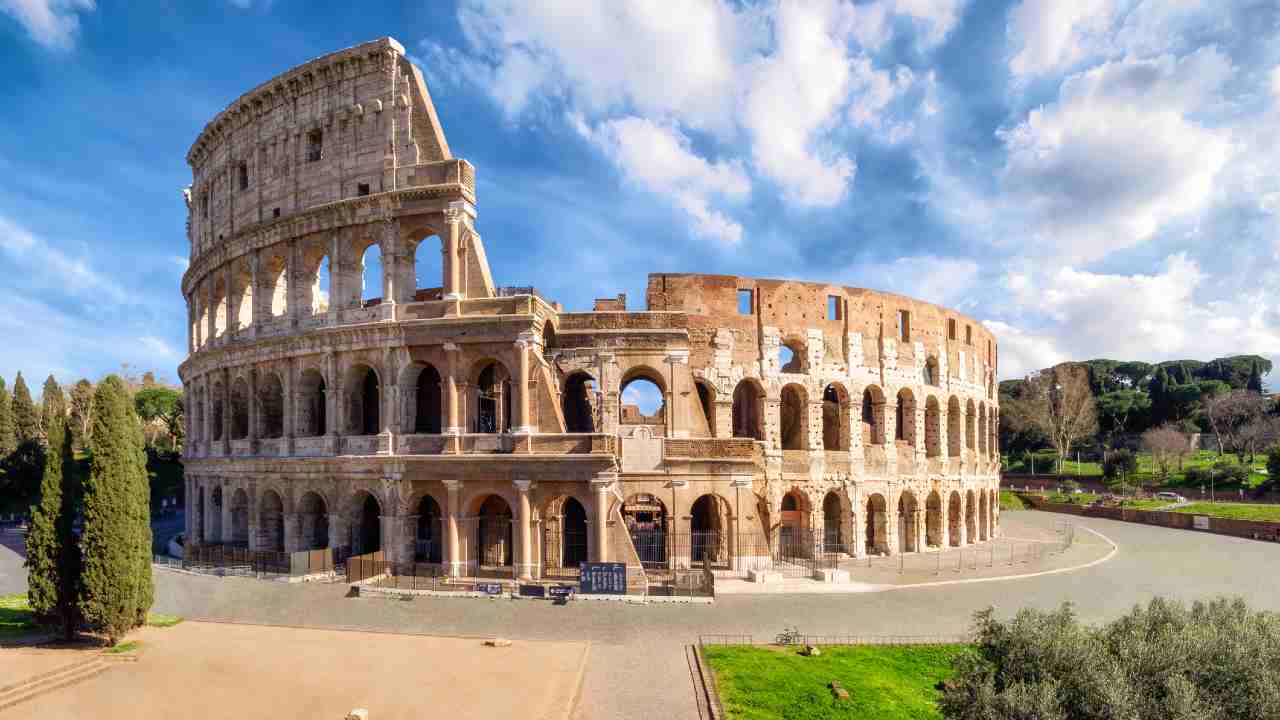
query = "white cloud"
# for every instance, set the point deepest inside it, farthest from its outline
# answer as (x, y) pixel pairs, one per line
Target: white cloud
(52, 23)
(52, 267)
(658, 158)
(179, 262)
(1055, 35)
(158, 349)
(1117, 155)
(947, 281)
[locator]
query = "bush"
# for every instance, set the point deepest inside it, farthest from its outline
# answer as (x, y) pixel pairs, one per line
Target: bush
(1119, 461)
(1227, 472)
(1215, 660)
(1273, 469)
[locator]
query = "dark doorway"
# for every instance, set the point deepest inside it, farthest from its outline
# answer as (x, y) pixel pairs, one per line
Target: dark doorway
(369, 402)
(368, 533)
(427, 547)
(574, 534)
(427, 415)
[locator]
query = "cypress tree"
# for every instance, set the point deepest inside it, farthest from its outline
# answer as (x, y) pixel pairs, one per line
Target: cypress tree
(116, 590)
(8, 440)
(1255, 378)
(26, 423)
(53, 556)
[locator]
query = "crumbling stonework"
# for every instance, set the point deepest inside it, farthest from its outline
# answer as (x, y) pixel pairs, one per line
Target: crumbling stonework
(474, 425)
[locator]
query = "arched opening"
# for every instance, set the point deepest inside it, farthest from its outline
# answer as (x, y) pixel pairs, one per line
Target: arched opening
(364, 401)
(220, 302)
(795, 517)
(428, 405)
(708, 524)
(970, 517)
(877, 525)
(793, 356)
(908, 531)
(493, 533)
(982, 430)
(491, 399)
(197, 418)
(217, 409)
(970, 422)
(311, 405)
(200, 535)
(646, 519)
(748, 420)
(239, 518)
(835, 418)
(313, 522)
(371, 275)
(278, 283)
(873, 416)
(427, 540)
(239, 409)
(984, 514)
(905, 426)
(215, 515)
(705, 426)
(320, 296)
(932, 427)
(642, 399)
(366, 524)
(794, 420)
(270, 406)
(833, 540)
(243, 281)
(428, 263)
(271, 523)
(579, 403)
(573, 536)
(954, 421)
(955, 513)
(931, 375)
(933, 520)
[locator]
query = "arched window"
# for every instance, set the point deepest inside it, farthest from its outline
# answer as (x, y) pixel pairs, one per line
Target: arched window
(371, 275)
(970, 423)
(748, 420)
(278, 280)
(906, 418)
(706, 405)
(364, 399)
(932, 427)
(794, 420)
(873, 416)
(643, 402)
(428, 408)
(239, 409)
(955, 421)
(271, 406)
(311, 404)
(579, 403)
(427, 268)
(243, 280)
(793, 357)
(492, 399)
(320, 297)
(835, 418)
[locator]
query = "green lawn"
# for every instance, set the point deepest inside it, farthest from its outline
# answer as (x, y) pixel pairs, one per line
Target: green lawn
(1046, 463)
(15, 616)
(884, 682)
(1146, 504)
(1010, 500)
(1235, 511)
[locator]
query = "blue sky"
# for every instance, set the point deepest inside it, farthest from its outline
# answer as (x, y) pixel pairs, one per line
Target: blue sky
(1088, 177)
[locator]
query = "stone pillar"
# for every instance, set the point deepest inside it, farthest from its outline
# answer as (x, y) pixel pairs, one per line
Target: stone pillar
(292, 532)
(602, 483)
(211, 311)
(453, 511)
(677, 420)
(254, 414)
(254, 523)
(293, 292)
(524, 568)
(521, 385)
(335, 278)
(452, 422)
(945, 518)
(339, 529)
(254, 300)
(964, 520)
(226, 411)
(332, 401)
(226, 512)
(452, 256)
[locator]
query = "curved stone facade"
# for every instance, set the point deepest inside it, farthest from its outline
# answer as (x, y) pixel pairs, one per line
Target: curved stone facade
(483, 427)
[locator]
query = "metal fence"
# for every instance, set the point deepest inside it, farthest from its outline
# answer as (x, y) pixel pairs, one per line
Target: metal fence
(792, 552)
(238, 560)
(791, 638)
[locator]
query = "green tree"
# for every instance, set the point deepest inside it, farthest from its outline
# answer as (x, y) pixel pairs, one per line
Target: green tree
(53, 556)
(8, 438)
(26, 422)
(1123, 411)
(1255, 378)
(1273, 470)
(117, 589)
(81, 412)
(1119, 463)
(157, 406)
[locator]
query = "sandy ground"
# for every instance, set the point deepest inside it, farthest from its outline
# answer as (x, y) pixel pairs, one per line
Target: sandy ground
(200, 670)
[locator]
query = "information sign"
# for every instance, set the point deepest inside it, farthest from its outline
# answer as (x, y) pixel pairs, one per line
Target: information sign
(604, 578)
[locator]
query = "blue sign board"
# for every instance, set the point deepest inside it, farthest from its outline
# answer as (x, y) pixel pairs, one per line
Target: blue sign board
(533, 591)
(489, 588)
(604, 578)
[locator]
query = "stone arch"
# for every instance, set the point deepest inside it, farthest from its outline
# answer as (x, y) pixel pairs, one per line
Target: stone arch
(490, 396)
(877, 525)
(646, 380)
(219, 307)
(428, 267)
(646, 519)
(372, 275)
(579, 402)
(423, 406)
(931, 375)
(835, 417)
(239, 518)
(932, 427)
(908, 528)
(955, 516)
(970, 419)
(364, 518)
(873, 416)
(493, 532)
(793, 355)
(239, 408)
(707, 406)
(954, 427)
(933, 520)
(310, 416)
(982, 430)
(905, 418)
(364, 400)
(316, 278)
(270, 406)
(215, 514)
(277, 284)
(242, 286)
(834, 533)
(748, 412)
(429, 534)
(313, 521)
(568, 537)
(709, 527)
(271, 522)
(217, 410)
(970, 516)
(197, 418)
(793, 420)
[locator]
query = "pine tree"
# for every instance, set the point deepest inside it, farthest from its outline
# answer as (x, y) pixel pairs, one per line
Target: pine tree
(116, 583)
(53, 556)
(26, 423)
(8, 440)
(1255, 378)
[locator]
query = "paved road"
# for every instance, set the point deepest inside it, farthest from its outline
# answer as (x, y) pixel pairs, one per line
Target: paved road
(637, 666)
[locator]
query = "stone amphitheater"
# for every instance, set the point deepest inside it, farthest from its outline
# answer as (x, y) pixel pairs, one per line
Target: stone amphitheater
(444, 419)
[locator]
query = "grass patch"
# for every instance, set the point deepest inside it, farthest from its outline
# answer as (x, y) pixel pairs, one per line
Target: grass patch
(1234, 511)
(15, 616)
(161, 620)
(1146, 504)
(1010, 500)
(1046, 463)
(884, 682)
(124, 647)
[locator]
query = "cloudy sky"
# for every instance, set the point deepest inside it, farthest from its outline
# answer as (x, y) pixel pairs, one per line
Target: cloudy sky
(1091, 178)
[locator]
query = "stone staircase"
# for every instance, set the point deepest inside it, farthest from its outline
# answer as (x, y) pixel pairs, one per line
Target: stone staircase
(76, 672)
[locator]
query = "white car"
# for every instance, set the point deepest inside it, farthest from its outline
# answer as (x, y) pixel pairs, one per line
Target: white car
(1170, 496)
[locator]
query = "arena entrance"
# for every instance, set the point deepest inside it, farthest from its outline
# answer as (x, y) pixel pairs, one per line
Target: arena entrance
(564, 539)
(494, 544)
(427, 543)
(366, 525)
(646, 520)
(709, 532)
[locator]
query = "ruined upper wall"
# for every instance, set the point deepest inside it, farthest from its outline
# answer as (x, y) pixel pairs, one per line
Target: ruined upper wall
(798, 308)
(350, 123)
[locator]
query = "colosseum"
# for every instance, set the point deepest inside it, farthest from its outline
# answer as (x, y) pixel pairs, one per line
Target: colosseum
(444, 419)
